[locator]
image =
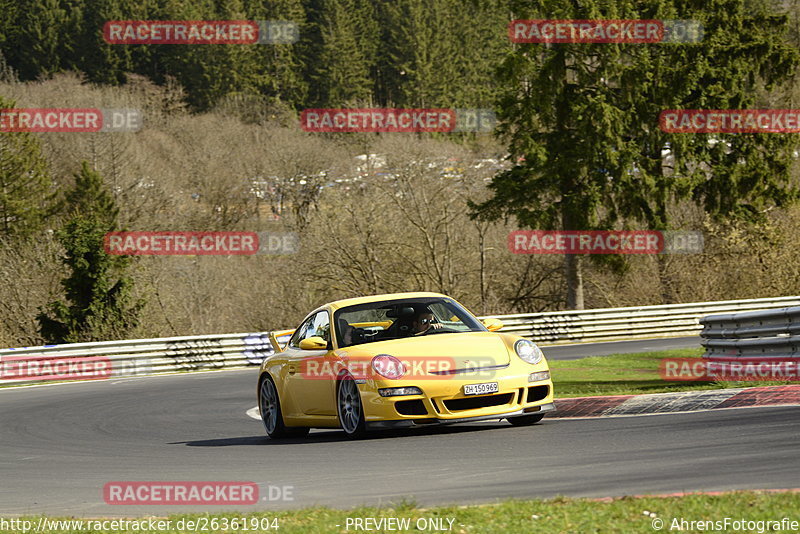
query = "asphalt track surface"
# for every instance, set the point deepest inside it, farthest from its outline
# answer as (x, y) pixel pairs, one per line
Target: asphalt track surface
(60, 444)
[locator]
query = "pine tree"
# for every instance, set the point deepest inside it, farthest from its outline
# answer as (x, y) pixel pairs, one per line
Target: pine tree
(340, 49)
(741, 176)
(27, 191)
(584, 120)
(98, 303)
(8, 17)
(40, 40)
(554, 98)
(102, 62)
(90, 199)
(280, 65)
(418, 63)
(442, 53)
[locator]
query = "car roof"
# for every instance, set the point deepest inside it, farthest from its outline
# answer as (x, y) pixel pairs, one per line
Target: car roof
(377, 298)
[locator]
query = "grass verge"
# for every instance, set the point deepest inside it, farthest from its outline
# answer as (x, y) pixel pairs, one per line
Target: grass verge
(756, 511)
(629, 374)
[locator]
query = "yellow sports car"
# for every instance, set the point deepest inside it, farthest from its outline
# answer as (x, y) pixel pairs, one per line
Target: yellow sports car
(399, 360)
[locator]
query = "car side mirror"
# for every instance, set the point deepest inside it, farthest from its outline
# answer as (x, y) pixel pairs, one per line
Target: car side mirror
(313, 343)
(493, 325)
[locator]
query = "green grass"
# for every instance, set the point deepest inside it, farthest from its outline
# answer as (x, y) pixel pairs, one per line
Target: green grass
(628, 374)
(625, 515)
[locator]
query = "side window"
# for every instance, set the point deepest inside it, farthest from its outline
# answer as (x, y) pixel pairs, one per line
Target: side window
(300, 333)
(320, 326)
(316, 325)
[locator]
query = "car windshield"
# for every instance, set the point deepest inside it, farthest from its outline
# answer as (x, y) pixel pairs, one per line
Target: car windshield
(396, 319)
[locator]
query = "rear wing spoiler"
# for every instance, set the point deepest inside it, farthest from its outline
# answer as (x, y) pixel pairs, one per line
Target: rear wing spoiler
(284, 335)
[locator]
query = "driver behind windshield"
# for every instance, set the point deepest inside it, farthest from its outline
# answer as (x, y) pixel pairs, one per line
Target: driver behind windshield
(423, 321)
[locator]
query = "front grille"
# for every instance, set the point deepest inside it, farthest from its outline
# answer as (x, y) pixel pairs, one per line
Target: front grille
(473, 403)
(537, 393)
(410, 407)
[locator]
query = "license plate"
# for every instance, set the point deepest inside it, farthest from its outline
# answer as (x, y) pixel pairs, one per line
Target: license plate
(481, 389)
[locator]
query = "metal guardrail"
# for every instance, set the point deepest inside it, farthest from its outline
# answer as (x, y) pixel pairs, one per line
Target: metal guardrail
(608, 324)
(765, 335)
(138, 357)
(135, 357)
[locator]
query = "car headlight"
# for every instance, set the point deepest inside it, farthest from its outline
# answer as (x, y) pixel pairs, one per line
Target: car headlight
(528, 351)
(388, 366)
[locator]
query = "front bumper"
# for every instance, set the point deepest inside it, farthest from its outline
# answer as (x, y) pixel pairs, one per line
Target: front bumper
(549, 407)
(444, 401)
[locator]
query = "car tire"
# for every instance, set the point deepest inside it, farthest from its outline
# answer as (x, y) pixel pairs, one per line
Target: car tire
(269, 406)
(525, 420)
(349, 408)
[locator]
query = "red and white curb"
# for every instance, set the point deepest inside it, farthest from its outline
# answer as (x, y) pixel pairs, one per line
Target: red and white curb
(685, 401)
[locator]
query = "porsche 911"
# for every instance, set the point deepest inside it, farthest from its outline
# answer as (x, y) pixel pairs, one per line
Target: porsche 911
(399, 360)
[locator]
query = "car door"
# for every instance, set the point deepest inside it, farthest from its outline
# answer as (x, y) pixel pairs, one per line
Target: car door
(308, 375)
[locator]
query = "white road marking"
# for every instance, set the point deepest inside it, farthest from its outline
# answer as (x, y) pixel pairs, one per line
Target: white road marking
(658, 402)
(254, 413)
